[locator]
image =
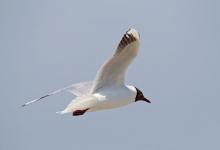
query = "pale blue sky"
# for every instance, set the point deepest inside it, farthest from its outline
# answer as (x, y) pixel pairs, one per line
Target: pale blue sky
(48, 44)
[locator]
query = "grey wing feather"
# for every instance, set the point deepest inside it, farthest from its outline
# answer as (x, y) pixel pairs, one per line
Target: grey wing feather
(80, 89)
(113, 71)
(77, 89)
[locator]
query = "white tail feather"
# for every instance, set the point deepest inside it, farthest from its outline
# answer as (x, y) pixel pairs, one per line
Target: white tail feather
(61, 112)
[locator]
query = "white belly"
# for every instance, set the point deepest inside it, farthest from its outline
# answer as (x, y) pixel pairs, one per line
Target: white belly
(109, 105)
(113, 99)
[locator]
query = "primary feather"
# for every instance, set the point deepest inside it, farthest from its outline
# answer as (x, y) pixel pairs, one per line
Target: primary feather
(77, 89)
(113, 71)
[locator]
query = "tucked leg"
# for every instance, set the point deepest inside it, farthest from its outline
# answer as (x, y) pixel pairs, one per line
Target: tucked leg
(79, 112)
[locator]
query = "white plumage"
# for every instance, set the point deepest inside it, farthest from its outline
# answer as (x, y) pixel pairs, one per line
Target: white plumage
(108, 90)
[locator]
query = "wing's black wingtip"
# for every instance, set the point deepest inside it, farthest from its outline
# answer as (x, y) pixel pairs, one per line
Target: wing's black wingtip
(23, 105)
(126, 39)
(44, 96)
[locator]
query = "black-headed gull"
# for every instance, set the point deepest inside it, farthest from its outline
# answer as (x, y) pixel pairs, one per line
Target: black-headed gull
(108, 90)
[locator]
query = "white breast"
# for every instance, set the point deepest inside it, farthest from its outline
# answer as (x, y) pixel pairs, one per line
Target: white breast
(114, 97)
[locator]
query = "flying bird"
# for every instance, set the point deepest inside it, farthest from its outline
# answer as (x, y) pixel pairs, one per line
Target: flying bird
(108, 89)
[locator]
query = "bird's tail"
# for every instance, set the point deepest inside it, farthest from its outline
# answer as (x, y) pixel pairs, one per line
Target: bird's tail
(62, 112)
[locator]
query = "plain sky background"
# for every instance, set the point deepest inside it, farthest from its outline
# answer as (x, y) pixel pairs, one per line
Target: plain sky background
(48, 44)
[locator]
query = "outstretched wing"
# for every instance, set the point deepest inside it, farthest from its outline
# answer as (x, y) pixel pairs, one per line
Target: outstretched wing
(80, 89)
(113, 71)
(77, 89)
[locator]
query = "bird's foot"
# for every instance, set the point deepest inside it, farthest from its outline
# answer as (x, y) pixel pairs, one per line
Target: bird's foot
(79, 112)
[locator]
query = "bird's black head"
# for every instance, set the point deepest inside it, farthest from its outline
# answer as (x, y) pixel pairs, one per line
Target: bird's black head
(140, 96)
